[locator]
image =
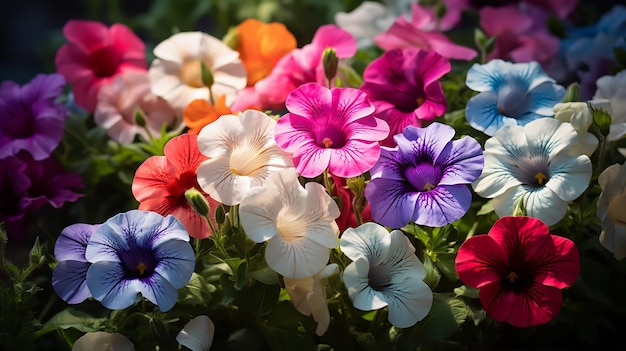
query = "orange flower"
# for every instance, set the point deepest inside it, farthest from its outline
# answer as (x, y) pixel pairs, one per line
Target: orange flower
(261, 45)
(200, 112)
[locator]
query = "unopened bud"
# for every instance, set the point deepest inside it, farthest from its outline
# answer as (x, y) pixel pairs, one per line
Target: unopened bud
(330, 63)
(232, 38)
(520, 209)
(140, 120)
(602, 119)
(573, 93)
(197, 201)
(207, 76)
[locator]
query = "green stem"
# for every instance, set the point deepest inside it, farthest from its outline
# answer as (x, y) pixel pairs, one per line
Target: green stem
(46, 308)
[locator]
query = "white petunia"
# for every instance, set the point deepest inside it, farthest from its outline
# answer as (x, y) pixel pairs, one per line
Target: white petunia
(308, 296)
(176, 72)
(197, 334)
(242, 154)
(611, 205)
(103, 341)
(532, 163)
(578, 114)
(385, 272)
(613, 88)
(299, 223)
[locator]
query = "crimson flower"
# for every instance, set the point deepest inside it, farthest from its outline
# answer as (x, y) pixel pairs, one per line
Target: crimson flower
(519, 268)
(161, 181)
(94, 55)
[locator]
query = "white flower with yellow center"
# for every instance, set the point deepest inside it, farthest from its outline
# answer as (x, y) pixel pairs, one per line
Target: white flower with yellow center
(298, 223)
(243, 154)
(611, 205)
(532, 163)
(176, 72)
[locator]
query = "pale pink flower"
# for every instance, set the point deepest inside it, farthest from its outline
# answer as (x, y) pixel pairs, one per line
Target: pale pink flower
(128, 94)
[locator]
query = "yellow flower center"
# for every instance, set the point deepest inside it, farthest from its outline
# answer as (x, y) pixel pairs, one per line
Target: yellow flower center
(191, 73)
(420, 100)
(540, 177)
(428, 187)
(327, 142)
(141, 267)
(512, 276)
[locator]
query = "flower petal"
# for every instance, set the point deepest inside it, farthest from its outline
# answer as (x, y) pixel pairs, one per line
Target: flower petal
(107, 283)
(72, 242)
(197, 334)
(69, 281)
(477, 261)
(442, 205)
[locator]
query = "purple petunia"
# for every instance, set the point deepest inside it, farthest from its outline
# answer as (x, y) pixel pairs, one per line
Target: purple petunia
(403, 85)
(30, 117)
(139, 252)
(423, 179)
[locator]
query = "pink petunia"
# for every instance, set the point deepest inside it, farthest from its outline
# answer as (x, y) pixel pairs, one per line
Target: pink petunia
(304, 65)
(519, 269)
(330, 128)
(403, 85)
(94, 55)
(161, 181)
(520, 36)
(421, 32)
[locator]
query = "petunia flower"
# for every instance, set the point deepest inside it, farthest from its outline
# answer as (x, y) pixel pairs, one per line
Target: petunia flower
(403, 85)
(94, 55)
(200, 112)
(30, 117)
(509, 94)
(297, 222)
(103, 341)
(423, 179)
(611, 205)
(242, 154)
(330, 128)
(385, 272)
(532, 163)
(308, 296)
(139, 252)
(519, 269)
(613, 89)
(261, 45)
(197, 334)
(125, 96)
(69, 278)
(579, 115)
(520, 36)
(176, 72)
(366, 21)
(160, 183)
(304, 65)
(421, 32)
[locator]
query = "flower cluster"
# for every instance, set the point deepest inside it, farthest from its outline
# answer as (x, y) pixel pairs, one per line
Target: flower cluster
(384, 184)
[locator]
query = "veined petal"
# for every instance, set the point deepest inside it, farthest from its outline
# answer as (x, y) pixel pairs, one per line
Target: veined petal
(408, 302)
(488, 76)
(543, 98)
(462, 160)
(350, 105)
(482, 113)
(549, 136)
(355, 277)
(311, 100)
(293, 132)
(69, 280)
(478, 259)
(392, 201)
(312, 160)
(72, 243)
(300, 258)
(442, 205)
(569, 175)
(158, 290)
(429, 141)
(107, 283)
(369, 241)
(541, 203)
(560, 263)
(354, 158)
(176, 262)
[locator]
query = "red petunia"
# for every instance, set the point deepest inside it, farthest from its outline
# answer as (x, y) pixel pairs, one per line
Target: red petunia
(94, 55)
(519, 268)
(161, 181)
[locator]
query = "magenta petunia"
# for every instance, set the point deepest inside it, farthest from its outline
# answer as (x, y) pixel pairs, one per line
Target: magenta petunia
(403, 85)
(330, 128)
(31, 118)
(519, 269)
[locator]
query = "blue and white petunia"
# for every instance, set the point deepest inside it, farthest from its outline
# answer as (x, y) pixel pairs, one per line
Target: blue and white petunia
(532, 163)
(139, 252)
(385, 272)
(509, 94)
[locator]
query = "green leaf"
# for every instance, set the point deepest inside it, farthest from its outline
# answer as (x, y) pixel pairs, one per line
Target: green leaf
(447, 266)
(486, 208)
(444, 318)
(287, 329)
(73, 318)
(266, 275)
(196, 292)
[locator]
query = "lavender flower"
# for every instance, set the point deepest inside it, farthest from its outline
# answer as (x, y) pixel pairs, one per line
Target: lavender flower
(423, 178)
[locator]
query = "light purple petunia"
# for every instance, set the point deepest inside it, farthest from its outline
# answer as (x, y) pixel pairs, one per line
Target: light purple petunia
(423, 179)
(330, 128)
(403, 85)
(30, 117)
(139, 252)
(69, 278)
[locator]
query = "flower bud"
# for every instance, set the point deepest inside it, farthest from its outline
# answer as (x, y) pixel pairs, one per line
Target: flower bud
(330, 63)
(197, 201)
(207, 76)
(602, 118)
(140, 120)
(572, 93)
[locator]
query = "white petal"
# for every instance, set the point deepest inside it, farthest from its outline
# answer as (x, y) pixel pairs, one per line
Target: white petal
(409, 302)
(369, 240)
(197, 334)
(102, 341)
(569, 175)
(355, 277)
(296, 259)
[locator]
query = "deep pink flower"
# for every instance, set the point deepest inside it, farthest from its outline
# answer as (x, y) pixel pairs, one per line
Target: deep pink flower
(30, 117)
(330, 128)
(520, 36)
(161, 181)
(421, 32)
(94, 55)
(304, 65)
(404, 86)
(520, 269)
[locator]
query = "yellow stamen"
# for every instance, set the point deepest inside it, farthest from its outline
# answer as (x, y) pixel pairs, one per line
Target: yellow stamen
(428, 187)
(141, 268)
(512, 276)
(327, 142)
(191, 73)
(420, 101)
(540, 177)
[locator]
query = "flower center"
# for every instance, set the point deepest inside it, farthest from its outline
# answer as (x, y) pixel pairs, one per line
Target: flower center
(378, 279)
(290, 226)
(191, 73)
(249, 161)
(424, 176)
(141, 268)
(540, 178)
(104, 62)
(512, 99)
(22, 125)
(330, 136)
(533, 170)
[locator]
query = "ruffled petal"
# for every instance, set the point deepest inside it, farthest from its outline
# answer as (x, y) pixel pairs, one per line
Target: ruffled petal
(478, 260)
